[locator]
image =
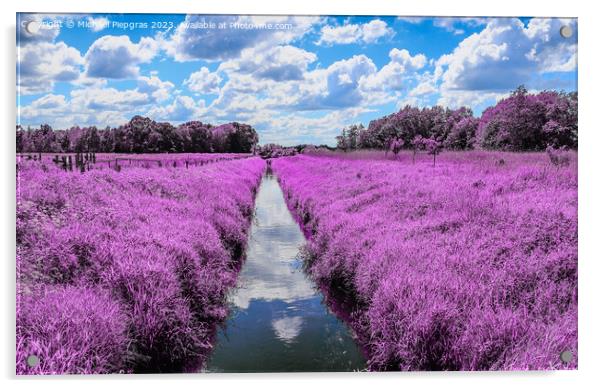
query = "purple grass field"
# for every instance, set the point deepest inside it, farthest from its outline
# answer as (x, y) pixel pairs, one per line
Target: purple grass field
(127, 271)
(470, 264)
(120, 161)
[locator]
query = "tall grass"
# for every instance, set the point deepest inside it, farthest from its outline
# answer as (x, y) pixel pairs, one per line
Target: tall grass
(127, 271)
(467, 265)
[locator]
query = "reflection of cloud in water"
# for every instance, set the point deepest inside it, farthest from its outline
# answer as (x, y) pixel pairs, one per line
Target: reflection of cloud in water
(287, 329)
(269, 272)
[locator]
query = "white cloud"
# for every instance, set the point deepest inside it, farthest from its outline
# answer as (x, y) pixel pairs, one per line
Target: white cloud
(426, 87)
(411, 19)
(193, 40)
(47, 33)
(116, 57)
(477, 100)
(153, 85)
(287, 328)
(100, 107)
(280, 63)
(302, 127)
(87, 100)
(204, 81)
(49, 101)
(109, 99)
(452, 24)
(395, 74)
(506, 54)
(97, 24)
(183, 108)
(355, 33)
(335, 87)
(41, 64)
(338, 85)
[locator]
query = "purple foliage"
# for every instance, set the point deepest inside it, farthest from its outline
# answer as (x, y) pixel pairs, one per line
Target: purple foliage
(71, 330)
(558, 157)
(275, 151)
(455, 128)
(395, 146)
(140, 135)
(530, 121)
(521, 122)
(469, 265)
(143, 258)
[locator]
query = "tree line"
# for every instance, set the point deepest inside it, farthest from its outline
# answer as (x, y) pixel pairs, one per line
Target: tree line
(141, 135)
(520, 122)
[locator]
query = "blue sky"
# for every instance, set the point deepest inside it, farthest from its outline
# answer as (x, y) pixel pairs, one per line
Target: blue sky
(296, 79)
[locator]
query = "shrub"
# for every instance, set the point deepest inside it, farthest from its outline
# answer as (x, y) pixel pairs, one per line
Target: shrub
(558, 157)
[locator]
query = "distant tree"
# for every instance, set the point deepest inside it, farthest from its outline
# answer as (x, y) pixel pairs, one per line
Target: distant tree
(140, 135)
(272, 150)
(107, 140)
(417, 145)
(462, 134)
(409, 122)
(42, 140)
(20, 139)
(199, 135)
(526, 121)
(395, 146)
(92, 139)
(242, 139)
(342, 140)
(433, 147)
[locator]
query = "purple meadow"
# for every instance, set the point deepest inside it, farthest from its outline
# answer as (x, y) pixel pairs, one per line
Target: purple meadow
(470, 264)
(127, 271)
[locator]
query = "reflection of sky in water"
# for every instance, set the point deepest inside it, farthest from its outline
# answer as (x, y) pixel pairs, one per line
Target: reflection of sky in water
(287, 329)
(278, 321)
(269, 271)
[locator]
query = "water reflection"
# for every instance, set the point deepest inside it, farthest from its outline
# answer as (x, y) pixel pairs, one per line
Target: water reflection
(278, 320)
(287, 329)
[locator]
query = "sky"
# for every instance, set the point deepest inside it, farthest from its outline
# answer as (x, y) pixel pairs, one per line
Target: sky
(295, 79)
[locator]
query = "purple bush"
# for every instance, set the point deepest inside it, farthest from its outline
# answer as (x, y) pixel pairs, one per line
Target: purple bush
(558, 157)
(160, 244)
(469, 265)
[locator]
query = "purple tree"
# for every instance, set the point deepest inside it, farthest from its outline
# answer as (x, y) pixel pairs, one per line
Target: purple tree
(417, 145)
(433, 147)
(395, 146)
(526, 121)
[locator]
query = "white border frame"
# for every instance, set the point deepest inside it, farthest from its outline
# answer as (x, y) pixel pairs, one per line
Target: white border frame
(590, 192)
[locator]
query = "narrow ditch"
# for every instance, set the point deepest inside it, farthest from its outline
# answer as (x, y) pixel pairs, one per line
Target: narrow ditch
(279, 321)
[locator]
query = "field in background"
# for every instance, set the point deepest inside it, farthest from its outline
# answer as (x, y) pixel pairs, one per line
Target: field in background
(408, 156)
(470, 264)
(95, 161)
